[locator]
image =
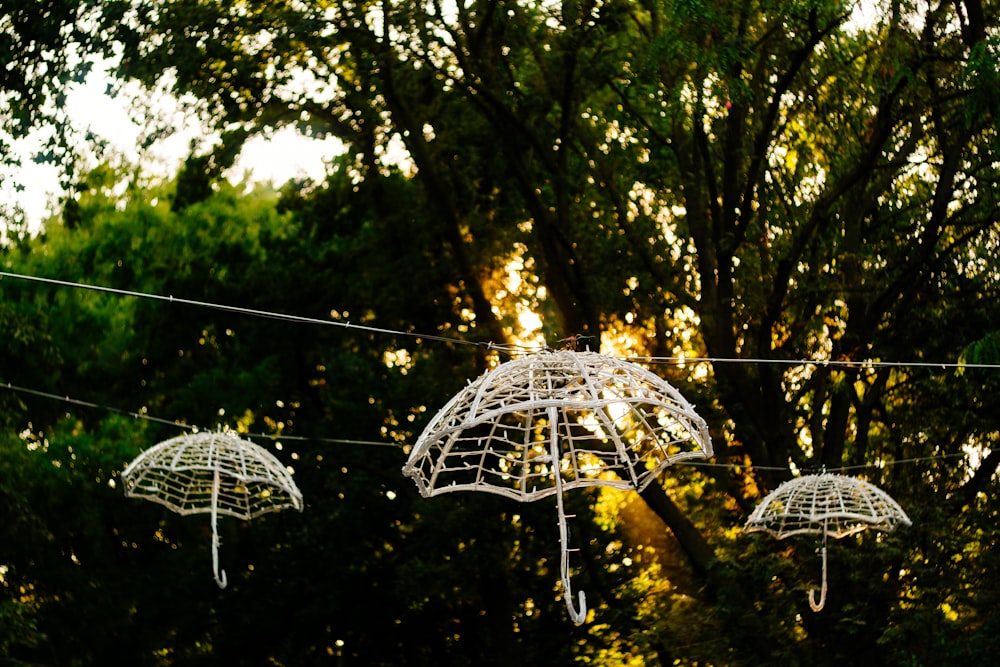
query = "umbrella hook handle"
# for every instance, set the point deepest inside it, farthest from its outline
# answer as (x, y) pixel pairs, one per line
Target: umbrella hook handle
(577, 616)
(220, 575)
(813, 604)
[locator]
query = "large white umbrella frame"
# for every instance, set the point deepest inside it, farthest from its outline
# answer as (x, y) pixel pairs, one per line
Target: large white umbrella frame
(540, 425)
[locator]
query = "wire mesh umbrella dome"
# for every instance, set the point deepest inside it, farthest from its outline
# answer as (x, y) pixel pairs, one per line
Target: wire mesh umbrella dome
(597, 420)
(826, 504)
(212, 472)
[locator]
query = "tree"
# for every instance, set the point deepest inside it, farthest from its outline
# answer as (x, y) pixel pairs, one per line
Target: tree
(766, 181)
(346, 577)
(46, 47)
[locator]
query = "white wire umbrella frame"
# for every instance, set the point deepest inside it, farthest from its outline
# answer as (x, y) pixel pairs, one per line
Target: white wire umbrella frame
(825, 504)
(215, 473)
(549, 422)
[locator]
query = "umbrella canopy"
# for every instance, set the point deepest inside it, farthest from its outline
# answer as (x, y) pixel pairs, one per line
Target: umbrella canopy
(216, 473)
(548, 422)
(616, 423)
(827, 504)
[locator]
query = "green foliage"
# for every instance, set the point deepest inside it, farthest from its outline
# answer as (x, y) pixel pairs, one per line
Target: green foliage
(986, 350)
(45, 47)
(336, 580)
(739, 181)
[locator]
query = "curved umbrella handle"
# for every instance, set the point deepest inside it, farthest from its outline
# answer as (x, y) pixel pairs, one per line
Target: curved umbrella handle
(577, 616)
(220, 576)
(817, 606)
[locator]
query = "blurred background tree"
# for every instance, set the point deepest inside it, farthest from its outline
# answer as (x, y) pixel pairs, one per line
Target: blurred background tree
(759, 188)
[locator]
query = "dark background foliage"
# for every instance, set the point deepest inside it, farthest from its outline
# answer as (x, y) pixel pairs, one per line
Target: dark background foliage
(768, 185)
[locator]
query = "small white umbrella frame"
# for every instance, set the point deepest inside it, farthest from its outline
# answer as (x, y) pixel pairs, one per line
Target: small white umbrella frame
(826, 504)
(549, 422)
(216, 473)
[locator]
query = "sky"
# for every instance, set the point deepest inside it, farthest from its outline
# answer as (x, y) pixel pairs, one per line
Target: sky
(277, 159)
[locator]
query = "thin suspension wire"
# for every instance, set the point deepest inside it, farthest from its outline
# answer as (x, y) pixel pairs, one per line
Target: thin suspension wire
(190, 427)
(915, 459)
(335, 441)
(863, 466)
(709, 464)
(239, 310)
(381, 443)
(840, 363)
(371, 329)
(512, 349)
(88, 404)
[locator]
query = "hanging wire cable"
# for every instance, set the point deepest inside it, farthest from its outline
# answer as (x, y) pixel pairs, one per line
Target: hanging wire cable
(396, 445)
(862, 466)
(88, 404)
(710, 464)
(837, 363)
(509, 349)
(241, 311)
(189, 427)
(915, 459)
(435, 337)
(335, 441)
